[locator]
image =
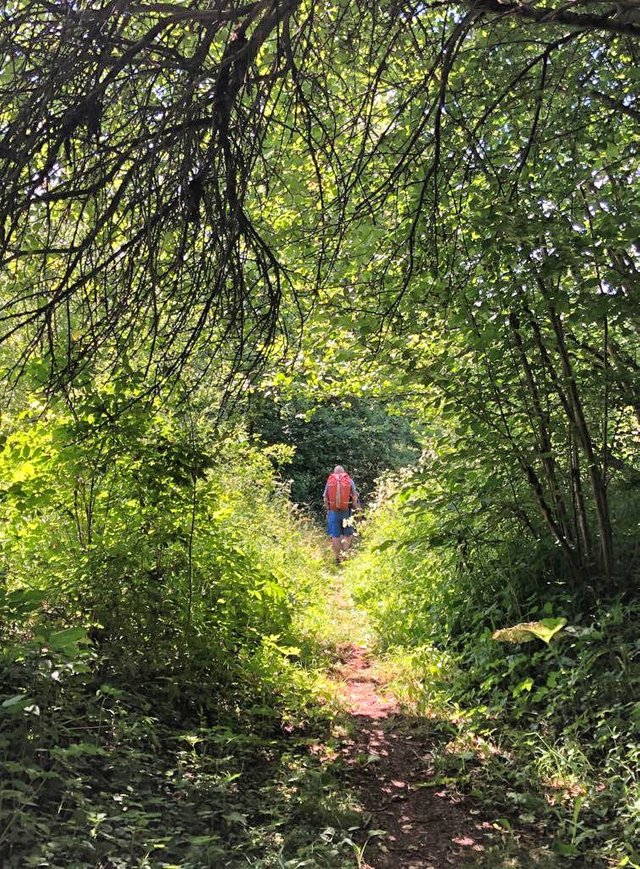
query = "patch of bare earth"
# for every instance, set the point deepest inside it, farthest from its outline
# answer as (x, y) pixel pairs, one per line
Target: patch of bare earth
(389, 764)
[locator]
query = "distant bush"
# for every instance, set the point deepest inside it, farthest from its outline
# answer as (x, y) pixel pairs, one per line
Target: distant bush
(364, 435)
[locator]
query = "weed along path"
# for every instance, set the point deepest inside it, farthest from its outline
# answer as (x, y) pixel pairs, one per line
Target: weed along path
(386, 754)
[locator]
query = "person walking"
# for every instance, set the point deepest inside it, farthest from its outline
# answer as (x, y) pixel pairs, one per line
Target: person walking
(340, 498)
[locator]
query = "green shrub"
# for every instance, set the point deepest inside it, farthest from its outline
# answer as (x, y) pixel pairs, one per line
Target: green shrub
(563, 718)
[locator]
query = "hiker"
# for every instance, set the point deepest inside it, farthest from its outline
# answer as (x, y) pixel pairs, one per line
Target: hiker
(340, 499)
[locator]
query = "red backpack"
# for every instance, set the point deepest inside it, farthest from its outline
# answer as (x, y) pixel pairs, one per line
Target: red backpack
(339, 491)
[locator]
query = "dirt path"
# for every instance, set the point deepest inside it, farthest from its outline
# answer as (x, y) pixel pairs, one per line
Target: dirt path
(389, 764)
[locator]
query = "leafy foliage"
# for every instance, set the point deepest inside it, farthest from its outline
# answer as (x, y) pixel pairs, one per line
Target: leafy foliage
(545, 630)
(551, 728)
(150, 652)
(356, 432)
(158, 133)
(182, 189)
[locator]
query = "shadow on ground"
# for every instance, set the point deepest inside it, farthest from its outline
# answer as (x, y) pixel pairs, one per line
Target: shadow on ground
(418, 819)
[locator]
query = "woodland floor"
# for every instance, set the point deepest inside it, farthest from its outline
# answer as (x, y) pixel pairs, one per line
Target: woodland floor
(425, 827)
(361, 782)
(386, 751)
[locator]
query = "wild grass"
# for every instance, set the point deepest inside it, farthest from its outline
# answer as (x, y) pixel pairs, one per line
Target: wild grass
(547, 736)
(161, 686)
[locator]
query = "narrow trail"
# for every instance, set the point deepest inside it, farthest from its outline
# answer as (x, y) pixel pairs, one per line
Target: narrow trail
(414, 823)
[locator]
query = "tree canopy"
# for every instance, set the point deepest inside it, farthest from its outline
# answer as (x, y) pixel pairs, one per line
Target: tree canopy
(449, 186)
(172, 171)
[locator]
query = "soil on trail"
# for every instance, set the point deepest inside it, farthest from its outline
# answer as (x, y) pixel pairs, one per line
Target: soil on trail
(388, 760)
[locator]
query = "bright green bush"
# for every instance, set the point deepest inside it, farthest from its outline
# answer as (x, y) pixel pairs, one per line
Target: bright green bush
(152, 568)
(176, 550)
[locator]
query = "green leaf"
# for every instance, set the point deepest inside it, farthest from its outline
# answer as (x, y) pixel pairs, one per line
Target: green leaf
(64, 640)
(525, 685)
(17, 703)
(22, 601)
(526, 632)
(565, 849)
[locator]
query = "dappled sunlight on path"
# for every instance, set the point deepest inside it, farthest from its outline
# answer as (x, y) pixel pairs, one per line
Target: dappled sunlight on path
(358, 685)
(415, 821)
(388, 762)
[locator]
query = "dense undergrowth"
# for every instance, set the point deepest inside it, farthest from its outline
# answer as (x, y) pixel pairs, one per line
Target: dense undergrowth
(546, 733)
(158, 686)
(165, 618)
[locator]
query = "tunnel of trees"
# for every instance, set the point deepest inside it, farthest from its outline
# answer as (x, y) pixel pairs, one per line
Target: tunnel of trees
(239, 244)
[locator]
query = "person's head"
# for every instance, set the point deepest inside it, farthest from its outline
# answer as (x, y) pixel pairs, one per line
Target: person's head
(338, 469)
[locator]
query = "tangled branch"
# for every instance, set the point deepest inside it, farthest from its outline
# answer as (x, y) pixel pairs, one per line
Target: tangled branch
(133, 134)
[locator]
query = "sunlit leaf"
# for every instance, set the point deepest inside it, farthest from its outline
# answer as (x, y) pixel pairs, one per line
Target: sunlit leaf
(526, 632)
